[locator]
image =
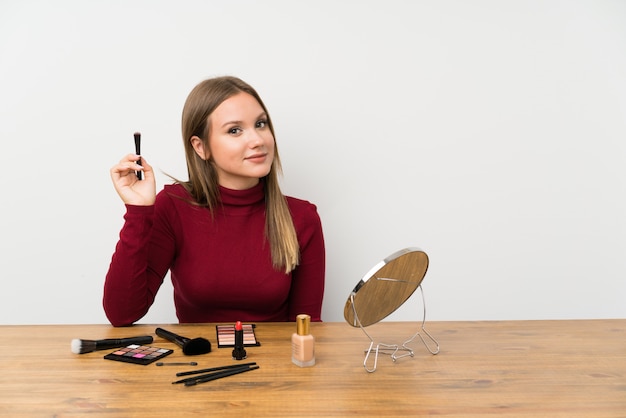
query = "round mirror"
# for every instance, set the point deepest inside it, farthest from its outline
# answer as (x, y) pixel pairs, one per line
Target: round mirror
(386, 287)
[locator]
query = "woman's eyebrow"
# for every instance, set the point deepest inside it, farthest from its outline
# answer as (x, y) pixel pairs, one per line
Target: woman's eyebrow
(263, 115)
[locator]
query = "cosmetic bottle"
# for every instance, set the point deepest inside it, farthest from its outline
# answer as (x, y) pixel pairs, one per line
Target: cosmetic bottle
(303, 343)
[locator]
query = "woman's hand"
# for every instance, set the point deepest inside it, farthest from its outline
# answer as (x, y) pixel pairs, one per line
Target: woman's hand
(132, 190)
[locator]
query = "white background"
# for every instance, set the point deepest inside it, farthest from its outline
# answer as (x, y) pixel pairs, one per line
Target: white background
(490, 134)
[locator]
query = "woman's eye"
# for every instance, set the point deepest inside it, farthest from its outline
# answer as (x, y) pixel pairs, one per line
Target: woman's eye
(261, 124)
(234, 131)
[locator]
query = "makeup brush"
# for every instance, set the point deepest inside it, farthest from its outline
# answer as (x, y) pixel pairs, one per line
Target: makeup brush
(137, 136)
(87, 346)
(191, 347)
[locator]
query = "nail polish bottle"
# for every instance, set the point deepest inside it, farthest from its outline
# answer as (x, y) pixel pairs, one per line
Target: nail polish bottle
(303, 343)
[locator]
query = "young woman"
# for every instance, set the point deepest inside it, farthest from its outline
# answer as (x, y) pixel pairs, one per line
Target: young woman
(236, 247)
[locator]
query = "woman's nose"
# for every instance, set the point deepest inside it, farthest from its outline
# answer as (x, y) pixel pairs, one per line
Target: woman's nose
(255, 139)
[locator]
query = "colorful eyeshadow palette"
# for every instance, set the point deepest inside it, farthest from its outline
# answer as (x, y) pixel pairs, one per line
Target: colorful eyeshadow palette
(138, 354)
(226, 335)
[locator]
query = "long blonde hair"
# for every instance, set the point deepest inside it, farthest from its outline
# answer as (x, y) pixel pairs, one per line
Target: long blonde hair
(203, 180)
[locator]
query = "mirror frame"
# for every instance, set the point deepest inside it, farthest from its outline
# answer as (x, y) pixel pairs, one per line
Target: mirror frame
(386, 287)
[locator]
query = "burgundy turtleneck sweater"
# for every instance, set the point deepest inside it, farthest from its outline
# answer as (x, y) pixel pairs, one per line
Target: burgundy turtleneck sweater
(221, 267)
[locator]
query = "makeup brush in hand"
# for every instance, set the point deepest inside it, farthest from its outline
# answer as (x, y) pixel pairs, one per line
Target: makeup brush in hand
(191, 347)
(87, 346)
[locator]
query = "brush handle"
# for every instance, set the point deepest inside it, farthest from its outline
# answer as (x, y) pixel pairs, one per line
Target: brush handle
(213, 369)
(122, 342)
(170, 336)
(219, 375)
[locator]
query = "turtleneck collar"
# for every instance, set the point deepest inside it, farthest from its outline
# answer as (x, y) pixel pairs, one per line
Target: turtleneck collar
(248, 197)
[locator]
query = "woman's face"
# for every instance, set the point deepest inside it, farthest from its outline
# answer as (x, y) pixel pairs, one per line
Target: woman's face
(240, 142)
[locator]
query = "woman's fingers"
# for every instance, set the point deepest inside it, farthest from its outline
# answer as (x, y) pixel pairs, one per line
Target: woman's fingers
(130, 189)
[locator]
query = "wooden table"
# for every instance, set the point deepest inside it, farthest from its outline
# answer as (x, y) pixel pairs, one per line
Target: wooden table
(504, 368)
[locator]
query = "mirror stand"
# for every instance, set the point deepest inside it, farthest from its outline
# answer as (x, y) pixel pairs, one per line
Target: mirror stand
(394, 350)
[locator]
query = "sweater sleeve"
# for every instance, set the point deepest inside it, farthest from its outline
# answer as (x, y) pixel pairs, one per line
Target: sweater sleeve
(307, 289)
(138, 266)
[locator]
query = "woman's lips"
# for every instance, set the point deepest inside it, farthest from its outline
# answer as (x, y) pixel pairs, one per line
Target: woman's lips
(257, 158)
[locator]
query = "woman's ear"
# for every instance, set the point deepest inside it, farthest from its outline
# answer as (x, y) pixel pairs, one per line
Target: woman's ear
(198, 146)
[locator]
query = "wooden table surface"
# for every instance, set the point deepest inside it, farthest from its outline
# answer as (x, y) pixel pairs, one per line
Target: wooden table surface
(504, 368)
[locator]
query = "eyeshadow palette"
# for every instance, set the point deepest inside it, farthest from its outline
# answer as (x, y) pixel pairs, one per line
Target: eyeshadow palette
(226, 335)
(138, 354)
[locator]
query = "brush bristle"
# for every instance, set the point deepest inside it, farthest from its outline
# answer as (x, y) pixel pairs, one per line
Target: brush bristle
(83, 346)
(138, 144)
(197, 346)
